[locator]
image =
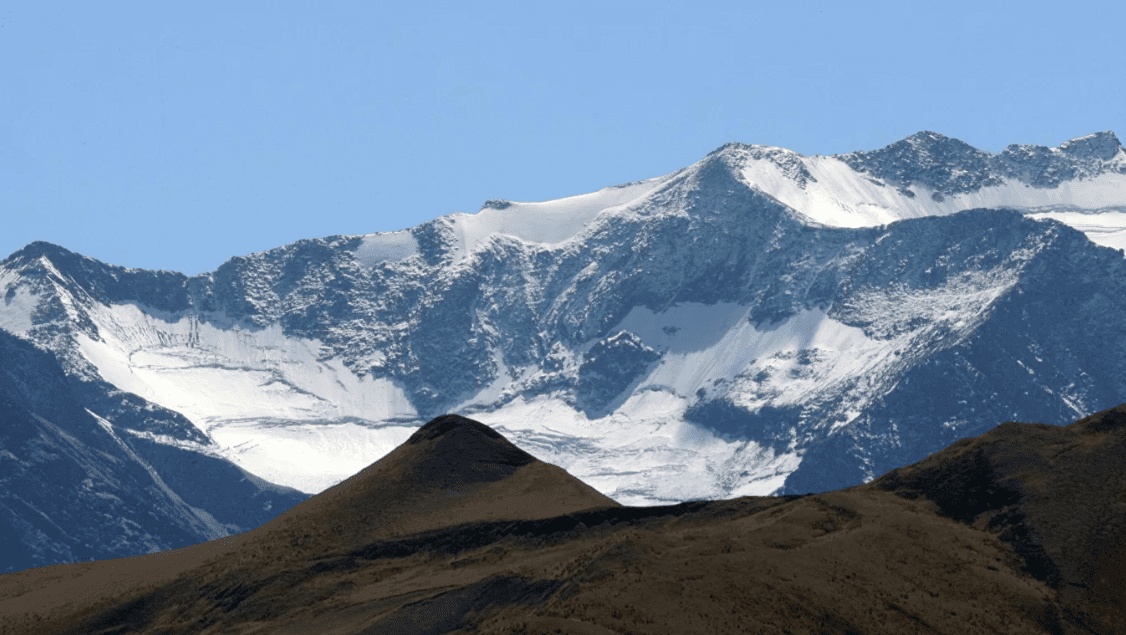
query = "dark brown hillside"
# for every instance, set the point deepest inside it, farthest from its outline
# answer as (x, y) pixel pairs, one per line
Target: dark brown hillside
(458, 531)
(451, 471)
(1056, 495)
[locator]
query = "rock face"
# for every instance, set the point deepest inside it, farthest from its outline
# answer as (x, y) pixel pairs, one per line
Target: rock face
(760, 322)
(611, 367)
(948, 166)
(1015, 531)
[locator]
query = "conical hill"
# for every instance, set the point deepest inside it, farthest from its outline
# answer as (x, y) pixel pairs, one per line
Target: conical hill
(451, 471)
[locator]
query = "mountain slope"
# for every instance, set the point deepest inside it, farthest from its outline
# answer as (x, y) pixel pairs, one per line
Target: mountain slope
(76, 487)
(928, 174)
(1054, 494)
(707, 333)
(984, 536)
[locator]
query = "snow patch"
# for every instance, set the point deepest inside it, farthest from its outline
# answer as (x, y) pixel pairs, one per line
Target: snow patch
(644, 453)
(386, 247)
(842, 197)
(705, 344)
(311, 456)
(212, 375)
(271, 403)
(548, 222)
(1106, 228)
(16, 306)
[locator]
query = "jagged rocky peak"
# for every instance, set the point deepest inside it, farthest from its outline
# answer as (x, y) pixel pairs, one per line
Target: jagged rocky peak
(735, 148)
(69, 262)
(921, 151)
(30, 258)
(949, 166)
(739, 155)
(37, 250)
(930, 138)
(945, 165)
(1100, 145)
(160, 289)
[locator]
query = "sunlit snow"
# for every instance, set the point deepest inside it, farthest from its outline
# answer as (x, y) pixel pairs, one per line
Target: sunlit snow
(286, 409)
(389, 246)
(15, 312)
(643, 454)
(1107, 228)
(548, 222)
(274, 407)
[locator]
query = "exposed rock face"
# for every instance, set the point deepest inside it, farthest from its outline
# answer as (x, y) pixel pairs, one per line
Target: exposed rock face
(949, 166)
(613, 365)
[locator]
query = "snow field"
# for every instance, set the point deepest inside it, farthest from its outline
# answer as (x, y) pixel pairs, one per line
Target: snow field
(1106, 228)
(16, 308)
(841, 197)
(643, 454)
(387, 246)
(311, 456)
(549, 222)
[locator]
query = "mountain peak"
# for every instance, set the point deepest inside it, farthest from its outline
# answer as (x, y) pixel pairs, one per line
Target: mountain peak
(928, 137)
(452, 470)
(944, 164)
(452, 424)
(1099, 145)
(469, 450)
(927, 142)
(37, 249)
(752, 150)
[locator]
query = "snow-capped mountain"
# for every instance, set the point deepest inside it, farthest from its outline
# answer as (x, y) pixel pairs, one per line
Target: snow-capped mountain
(758, 322)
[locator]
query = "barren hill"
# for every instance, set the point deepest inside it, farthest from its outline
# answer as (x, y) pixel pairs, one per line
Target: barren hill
(1015, 531)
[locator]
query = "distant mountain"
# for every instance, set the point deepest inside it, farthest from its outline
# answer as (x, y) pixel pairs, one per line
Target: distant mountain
(458, 530)
(759, 322)
(928, 174)
(74, 486)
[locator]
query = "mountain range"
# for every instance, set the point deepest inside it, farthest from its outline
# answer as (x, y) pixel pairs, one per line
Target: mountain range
(758, 323)
(459, 531)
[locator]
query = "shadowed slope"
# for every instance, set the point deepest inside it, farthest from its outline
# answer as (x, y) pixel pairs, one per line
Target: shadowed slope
(75, 486)
(1056, 494)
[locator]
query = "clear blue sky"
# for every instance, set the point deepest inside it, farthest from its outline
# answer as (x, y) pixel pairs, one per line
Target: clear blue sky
(176, 137)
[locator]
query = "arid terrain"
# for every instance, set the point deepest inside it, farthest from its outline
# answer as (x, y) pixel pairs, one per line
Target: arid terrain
(458, 531)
